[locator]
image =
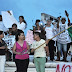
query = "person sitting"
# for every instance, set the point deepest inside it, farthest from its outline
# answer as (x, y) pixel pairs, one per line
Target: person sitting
(22, 23)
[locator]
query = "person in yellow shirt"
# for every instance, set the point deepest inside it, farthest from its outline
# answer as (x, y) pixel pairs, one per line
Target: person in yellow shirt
(40, 53)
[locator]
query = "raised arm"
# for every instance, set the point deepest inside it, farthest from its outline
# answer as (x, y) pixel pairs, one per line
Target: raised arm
(67, 17)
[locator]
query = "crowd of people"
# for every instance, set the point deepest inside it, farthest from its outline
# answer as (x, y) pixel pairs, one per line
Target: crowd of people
(44, 44)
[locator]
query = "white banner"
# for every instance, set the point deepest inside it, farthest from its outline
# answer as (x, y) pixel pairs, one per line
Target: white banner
(64, 67)
(8, 19)
(9, 40)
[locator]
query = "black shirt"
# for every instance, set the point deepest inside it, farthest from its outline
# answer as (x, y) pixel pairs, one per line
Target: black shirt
(2, 51)
(15, 32)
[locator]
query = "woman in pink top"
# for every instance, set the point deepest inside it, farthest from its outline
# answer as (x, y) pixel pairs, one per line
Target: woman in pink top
(20, 49)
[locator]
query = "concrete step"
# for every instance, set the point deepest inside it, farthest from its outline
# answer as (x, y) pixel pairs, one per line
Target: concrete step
(13, 69)
(49, 66)
(31, 64)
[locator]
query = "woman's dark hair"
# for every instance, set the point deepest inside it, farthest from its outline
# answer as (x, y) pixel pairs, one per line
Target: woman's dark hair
(1, 32)
(23, 21)
(18, 34)
(37, 21)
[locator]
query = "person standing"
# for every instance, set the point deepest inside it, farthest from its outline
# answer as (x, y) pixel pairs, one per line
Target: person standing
(2, 52)
(39, 54)
(39, 28)
(20, 49)
(49, 34)
(63, 38)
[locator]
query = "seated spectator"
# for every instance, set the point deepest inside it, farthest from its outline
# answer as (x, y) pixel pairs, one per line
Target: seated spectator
(22, 23)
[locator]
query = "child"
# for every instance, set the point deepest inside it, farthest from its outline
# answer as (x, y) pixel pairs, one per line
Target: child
(39, 54)
(20, 49)
(2, 52)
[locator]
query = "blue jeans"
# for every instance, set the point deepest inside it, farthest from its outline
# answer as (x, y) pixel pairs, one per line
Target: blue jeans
(60, 46)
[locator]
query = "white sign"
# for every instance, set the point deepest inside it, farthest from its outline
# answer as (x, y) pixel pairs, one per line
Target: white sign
(9, 40)
(8, 19)
(64, 67)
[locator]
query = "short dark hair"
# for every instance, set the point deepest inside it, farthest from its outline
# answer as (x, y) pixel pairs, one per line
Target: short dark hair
(18, 34)
(1, 32)
(37, 33)
(63, 19)
(14, 25)
(37, 20)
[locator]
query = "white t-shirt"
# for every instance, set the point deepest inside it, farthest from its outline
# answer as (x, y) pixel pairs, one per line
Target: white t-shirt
(64, 37)
(21, 26)
(50, 32)
(40, 52)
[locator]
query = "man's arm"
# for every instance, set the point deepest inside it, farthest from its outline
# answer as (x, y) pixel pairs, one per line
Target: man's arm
(67, 17)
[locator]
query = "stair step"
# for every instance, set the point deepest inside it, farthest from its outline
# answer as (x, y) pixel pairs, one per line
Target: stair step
(13, 69)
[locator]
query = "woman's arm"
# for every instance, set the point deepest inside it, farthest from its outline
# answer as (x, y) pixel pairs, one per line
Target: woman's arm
(14, 50)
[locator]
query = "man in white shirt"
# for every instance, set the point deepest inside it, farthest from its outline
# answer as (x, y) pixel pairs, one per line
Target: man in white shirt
(40, 53)
(63, 38)
(2, 27)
